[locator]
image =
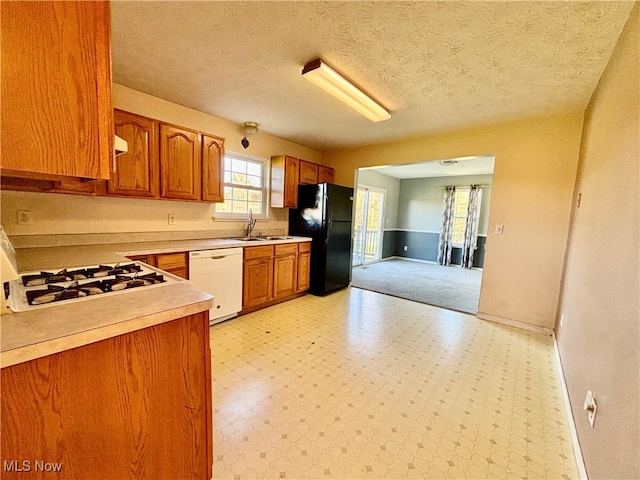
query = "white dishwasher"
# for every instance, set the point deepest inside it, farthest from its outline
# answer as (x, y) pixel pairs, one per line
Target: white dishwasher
(219, 272)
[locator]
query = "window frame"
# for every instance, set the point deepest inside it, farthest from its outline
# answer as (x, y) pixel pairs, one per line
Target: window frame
(460, 190)
(264, 188)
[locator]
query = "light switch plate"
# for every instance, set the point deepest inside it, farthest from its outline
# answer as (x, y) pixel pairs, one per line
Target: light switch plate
(499, 229)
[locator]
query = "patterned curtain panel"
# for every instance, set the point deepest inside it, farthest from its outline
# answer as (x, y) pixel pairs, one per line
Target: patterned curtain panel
(471, 229)
(445, 245)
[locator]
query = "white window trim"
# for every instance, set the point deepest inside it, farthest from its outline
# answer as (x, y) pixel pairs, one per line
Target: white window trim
(266, 163)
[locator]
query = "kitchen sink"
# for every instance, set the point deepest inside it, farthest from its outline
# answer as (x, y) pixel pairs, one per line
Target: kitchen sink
(249, 239)
(261, 239)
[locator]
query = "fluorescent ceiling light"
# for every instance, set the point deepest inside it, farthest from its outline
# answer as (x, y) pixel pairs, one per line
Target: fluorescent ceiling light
(331, 81)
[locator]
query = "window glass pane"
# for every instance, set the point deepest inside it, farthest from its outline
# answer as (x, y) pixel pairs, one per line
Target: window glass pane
(239, 166)
(255, 195)
(254, 181)
(254, 169)
(239, 194)
(238, 175)
(462, 200)
(240, 207)
(458, 230)
(223, 207)
(256, 207)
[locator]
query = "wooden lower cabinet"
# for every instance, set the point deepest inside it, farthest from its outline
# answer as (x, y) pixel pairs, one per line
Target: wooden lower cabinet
(285, 266)
(175, 263)
(136, 406)
(257, 281)
(303, 277)
(274, 273)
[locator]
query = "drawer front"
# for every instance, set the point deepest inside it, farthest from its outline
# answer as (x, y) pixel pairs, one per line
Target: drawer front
(286, 249)
(170, 261)
(258, 252)
(304, 247)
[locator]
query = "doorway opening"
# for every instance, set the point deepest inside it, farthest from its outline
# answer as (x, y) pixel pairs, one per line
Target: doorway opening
(397, 248)
(368, 223)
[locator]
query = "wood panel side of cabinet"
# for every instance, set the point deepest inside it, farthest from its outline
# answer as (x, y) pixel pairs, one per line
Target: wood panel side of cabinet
(325, 174)
(134, 406)
(56, 89)
(212, 168)
(180, 165)
(308, 173)
(137, 171)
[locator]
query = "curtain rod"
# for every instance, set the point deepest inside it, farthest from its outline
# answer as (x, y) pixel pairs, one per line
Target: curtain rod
(462, 186)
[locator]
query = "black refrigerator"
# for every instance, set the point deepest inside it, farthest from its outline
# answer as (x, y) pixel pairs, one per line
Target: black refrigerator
(324, 214)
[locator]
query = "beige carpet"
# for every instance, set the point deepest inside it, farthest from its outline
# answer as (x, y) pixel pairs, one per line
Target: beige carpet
(452, 287)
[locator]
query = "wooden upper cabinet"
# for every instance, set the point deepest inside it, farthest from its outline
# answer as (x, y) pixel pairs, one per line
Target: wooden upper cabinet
(325, 174)
(57, 116)
(284, 181)
(308, 172)
(212, 168)
(137, 171)
(180, 155)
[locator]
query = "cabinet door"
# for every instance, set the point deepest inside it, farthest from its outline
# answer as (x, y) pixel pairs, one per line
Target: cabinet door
(284, 181)
(290, 182)
(212, 168)
(308, 172)
(179, 163)
(57, 115)
(303, 274)
(257, 277)
(136, 172)
(284, 275)
(325, 174)
(175, 263)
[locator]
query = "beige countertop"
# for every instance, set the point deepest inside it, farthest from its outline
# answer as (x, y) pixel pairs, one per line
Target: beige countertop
(33, 334)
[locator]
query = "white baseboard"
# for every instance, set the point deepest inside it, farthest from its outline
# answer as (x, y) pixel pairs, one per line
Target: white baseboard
(514, 323)
(577, 451)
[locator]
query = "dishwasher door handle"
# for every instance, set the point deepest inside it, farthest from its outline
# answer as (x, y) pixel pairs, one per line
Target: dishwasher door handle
(218, 258)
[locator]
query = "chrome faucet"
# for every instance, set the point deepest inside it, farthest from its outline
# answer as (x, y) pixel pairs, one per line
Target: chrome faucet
(250, 224)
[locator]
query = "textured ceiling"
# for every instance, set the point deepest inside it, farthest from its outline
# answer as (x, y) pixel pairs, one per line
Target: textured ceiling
(436, 66)
(478, 165)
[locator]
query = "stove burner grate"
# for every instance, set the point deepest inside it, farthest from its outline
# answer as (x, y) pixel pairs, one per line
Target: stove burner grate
(44, 278)
(56, 293)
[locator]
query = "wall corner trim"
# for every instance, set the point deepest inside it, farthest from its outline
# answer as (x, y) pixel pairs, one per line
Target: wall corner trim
(582, 470)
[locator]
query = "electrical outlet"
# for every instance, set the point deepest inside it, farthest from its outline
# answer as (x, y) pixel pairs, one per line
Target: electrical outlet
(172, 219)
(499, 229)
(24, 217)
(405, 248)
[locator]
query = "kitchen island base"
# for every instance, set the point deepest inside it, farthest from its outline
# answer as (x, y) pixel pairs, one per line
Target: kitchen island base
(135, 406)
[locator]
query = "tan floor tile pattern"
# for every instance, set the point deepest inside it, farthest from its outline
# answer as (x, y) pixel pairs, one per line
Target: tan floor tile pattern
(359, 385)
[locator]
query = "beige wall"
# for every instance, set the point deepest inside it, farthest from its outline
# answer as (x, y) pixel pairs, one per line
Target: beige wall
(533, 181)
(63, 214)
(599, 339)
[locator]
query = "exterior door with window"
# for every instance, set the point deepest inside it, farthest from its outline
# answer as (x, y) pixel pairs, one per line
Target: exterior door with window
(367, 241)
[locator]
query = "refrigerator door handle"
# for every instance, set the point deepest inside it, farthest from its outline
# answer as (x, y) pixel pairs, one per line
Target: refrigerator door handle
(329, 219)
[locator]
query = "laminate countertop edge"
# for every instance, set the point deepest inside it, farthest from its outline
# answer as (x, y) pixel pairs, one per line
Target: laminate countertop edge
(31, 335)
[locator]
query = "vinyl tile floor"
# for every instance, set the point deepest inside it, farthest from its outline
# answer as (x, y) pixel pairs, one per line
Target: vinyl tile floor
(359, 385)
